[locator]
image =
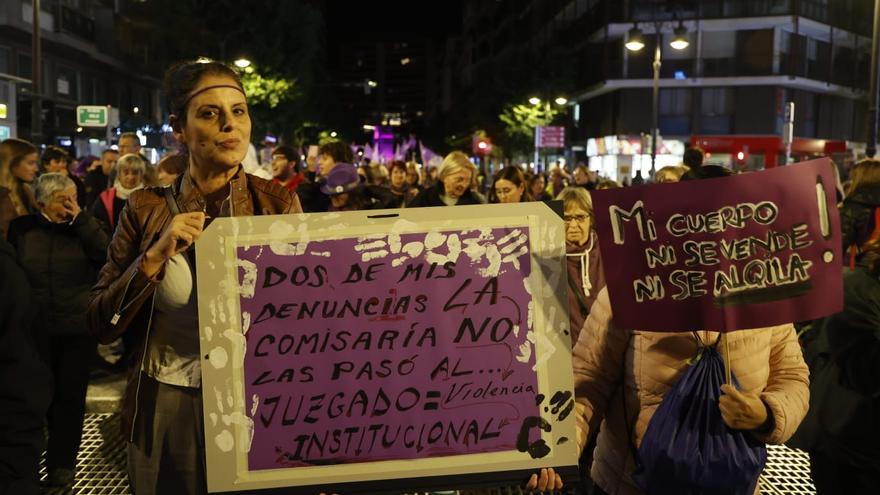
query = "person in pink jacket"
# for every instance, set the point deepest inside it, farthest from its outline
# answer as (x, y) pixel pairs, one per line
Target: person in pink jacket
(617, 367)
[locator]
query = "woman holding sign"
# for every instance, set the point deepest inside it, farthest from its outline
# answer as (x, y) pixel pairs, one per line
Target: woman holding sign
(147, 287)
(665, 417)
(623, 376)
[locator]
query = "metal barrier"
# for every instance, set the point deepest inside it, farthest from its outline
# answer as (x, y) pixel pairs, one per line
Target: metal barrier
(101, 464)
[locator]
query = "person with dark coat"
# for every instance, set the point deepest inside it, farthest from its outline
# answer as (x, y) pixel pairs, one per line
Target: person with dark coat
(399, 188)
(97, 179)
(56, 160)
(456, 184)
(309, 192)
(583, 178)
(857, 214)
(841, 431)
(61, 249)
(585, 275)
(348, 192)
(24, 397)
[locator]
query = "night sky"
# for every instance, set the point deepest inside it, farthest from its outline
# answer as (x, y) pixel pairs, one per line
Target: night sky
(391, 20)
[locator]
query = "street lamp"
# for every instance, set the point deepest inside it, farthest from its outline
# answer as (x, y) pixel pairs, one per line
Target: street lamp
(242, 63)
(634, 44)
(534, 100)
(680, 40)
(634, 41)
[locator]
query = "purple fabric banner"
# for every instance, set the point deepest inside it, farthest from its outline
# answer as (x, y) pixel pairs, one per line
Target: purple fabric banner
(740, 252)
(427, 154)
(364, 355)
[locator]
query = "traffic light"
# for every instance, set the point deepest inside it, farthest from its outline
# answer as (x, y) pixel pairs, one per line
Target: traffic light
(482, 146)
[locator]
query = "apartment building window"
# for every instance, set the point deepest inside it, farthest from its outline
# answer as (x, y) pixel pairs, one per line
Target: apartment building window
(754, 52)
(88, 89)
(5, 60)
(675, 111)
(24, 66)
(67, 83)
(740, 8)
(716, 107)
(805, 103)
(718, 52)
(818, 59)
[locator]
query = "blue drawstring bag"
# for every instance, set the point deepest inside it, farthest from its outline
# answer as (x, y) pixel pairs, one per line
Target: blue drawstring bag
(687, 448)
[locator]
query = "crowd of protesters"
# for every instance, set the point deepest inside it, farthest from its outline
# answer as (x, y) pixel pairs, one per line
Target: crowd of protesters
(90, 243)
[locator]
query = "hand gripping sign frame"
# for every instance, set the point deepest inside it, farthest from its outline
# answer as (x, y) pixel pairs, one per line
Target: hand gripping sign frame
(502, 252)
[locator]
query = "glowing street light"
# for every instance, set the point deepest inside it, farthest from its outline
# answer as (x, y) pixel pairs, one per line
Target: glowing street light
(635, 42)
(333, 134)
(242, 63)
(561, 100)
(535, 100)
(680, 40)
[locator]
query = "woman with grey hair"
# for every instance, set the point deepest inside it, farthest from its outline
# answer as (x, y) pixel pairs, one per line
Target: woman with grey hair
(61, 249)
(129, 178)
(456, 184)
(585, 275)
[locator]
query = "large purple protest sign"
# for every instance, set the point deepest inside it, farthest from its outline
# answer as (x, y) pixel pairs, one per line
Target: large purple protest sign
(367, 355)
(724, 254)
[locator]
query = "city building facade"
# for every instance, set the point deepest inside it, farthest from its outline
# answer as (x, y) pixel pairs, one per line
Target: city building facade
(745, 61)
(92, 54)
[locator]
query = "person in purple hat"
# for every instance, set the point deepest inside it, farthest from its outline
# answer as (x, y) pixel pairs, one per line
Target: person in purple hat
(347, 191)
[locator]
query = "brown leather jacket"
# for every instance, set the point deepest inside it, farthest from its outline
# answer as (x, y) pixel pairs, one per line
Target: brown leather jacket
(122, 300)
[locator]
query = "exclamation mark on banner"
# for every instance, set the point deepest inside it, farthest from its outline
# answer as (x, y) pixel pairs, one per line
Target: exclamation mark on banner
(824, 221)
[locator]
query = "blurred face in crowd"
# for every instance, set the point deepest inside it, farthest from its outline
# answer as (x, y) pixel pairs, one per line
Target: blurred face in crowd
(412, 177)
(538, 186)
(129, 178)
(129, 145)
(57, 166)
(457, 183)
(59, 206)
(339, 200)
(665, 176)
(325, 164)
(26, 168)
(508, 192)
(165, 178)
(577, 224)
(398, 177)
(108, 161)
(217, 130)
(581, 177)
(280, 167)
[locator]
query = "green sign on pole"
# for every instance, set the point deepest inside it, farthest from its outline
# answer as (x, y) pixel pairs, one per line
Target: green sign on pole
(91, 116)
